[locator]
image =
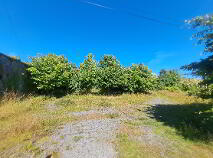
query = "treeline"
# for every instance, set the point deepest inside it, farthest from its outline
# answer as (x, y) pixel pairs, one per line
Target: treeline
(55, 75)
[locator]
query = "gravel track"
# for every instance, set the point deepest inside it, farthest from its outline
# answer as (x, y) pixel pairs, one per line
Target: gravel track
(85, 139)
(94, 138)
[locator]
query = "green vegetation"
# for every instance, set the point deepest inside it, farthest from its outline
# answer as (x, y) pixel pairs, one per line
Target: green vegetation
(112, 77)
(170, 78)
(141, 79)
(28, 119)
(77, 138)
(183, 127)
(88, 74)
(129, 148)
(53, 74)
(24, 119)
(169, 130)
(203, 26)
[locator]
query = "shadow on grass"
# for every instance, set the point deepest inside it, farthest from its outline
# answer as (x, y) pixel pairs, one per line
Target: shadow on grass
(192, 121)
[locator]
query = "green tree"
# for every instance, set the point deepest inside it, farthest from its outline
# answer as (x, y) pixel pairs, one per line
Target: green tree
(168, 78)
(141, 79)
(88, 74)
(53, 74)
(111, 75)
(203, 25)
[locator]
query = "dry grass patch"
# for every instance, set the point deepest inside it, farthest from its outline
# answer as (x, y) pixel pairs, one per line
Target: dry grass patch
(180, 128)
(25, 119)
(88, 101)
(179, 97)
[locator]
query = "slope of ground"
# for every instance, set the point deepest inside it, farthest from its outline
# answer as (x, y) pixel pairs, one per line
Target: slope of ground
(162, 124)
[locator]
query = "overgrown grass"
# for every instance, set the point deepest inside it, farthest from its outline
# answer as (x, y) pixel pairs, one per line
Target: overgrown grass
(26, 119)
(180, 97)
(184, 129)
(82, 102)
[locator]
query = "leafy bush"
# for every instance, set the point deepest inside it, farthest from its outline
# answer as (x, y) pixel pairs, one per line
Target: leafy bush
(191, 86)
(141, 79)
(53, 74)
(206, 91)
(88, 74)
(186, 84)
(115, 78)
(197, 88)
(168, 78)
(112, 76)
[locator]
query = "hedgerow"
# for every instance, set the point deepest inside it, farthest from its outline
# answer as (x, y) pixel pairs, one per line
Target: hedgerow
(52, 74)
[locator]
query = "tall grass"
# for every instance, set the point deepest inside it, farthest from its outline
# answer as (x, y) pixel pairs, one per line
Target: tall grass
(25, 118)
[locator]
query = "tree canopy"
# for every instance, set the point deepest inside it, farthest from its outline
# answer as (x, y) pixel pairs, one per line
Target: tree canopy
(203, 25)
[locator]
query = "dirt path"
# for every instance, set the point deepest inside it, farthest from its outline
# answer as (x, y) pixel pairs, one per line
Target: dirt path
(93, 136)
(94, 133)
(87, 138)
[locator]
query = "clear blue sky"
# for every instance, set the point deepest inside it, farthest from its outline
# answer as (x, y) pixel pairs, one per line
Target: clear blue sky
(74, 29)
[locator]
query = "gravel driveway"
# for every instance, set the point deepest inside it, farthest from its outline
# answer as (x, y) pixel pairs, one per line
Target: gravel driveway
(85, 138)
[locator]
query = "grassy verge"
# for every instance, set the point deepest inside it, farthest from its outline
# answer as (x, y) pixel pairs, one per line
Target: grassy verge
(181, 129)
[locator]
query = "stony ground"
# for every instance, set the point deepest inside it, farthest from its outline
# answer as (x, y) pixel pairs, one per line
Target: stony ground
(129, 131)
(93, 134)
(90, 126)
(90, 137)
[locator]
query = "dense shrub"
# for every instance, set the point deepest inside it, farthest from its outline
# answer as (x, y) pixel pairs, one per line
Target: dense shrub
(191, 86)
(141, 79)
(88, 74)
(186, 84)
(112, 77)
(53, 74)
(205, 91)
(196, 87)
(168, 78)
